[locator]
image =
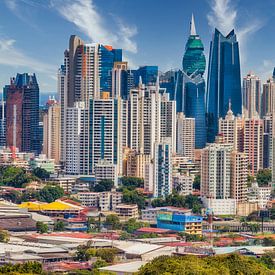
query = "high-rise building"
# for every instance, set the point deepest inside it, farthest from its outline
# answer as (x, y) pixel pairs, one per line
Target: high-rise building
(152, 116)
(22, 113)
(193, 64)
(268, 97)
(224, 80)
(172, 81)
(185, 136)
(85, 74)
(148, 74)
(267, 141)
(253, 144)
(105, 170)
(2, 122)
(51, 131)
(216, 171)
(239, 173)
(162, 169)
(105, 131)
(77, 140)
(231, 129)
(251, 96)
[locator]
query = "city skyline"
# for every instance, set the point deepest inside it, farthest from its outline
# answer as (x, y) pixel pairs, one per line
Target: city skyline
(118, 23)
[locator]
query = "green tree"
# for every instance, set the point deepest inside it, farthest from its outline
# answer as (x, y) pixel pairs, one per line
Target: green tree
(132, 182)
(59, 226)
(50, 193)
(268, 242)
(112, 221)
(133, 197)
(197, 182)
(263, 177)
(132, 225)
(99, 263)
(107, 254)
(82, 253)
(42, 227)
(254, 227)
(104, 185)
(41, 173)
(125, 236)
(4, 236)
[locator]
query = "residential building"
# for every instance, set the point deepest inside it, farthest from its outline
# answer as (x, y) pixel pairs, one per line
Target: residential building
(22, 113)
(77, 140)
(2, 122)
(253, 144)
(51, 131)
(183, 184)
(193, 65)
(185, 136)
(104, 170)
(224, 80)
(231, 128)
(239, 175)
(162, 169)
(251, 96)
(267, 97)
(43, 162)
(67, 183)
(127, 211)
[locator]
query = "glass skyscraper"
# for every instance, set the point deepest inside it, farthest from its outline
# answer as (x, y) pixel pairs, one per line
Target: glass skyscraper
(193, 65)
(224, 80)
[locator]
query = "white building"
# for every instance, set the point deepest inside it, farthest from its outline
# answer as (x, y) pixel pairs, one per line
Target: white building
(183, 184)
(185, 136)
(77, 140)
(104, 170)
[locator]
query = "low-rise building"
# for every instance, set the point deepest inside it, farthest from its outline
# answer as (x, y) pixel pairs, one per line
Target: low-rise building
(67, 183)
(188, 223)
(104, 170)
(221, 206)
(183, 184)
(127, 211)
(150, 214)
(43, 162)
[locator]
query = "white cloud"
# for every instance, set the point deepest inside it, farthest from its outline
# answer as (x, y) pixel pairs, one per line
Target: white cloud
(85, 16)
(11, 56)
(224, 17)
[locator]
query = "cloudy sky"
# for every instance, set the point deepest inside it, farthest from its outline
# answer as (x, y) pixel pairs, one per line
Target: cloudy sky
(35, 33)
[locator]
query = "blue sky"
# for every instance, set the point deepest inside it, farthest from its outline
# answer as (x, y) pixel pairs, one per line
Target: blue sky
(35, 33)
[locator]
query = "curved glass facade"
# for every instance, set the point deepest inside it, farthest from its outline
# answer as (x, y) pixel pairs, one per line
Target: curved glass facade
(193, 65)
(224, 80)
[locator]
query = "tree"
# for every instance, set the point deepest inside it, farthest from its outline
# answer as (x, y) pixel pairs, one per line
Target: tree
(42, 227)
(4, 236)
(41, 173)
(113, 222)
(104, 185)
(133, 197)
(197, 182)
(132, 182)
(125, 236)
(50, 193)
(254, 227)
(268, 242)
(99, 263)
(132, 225)
(263, 177)
(107, 254)
(59, 226)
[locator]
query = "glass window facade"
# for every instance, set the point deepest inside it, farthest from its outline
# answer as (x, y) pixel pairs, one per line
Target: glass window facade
(224, 80)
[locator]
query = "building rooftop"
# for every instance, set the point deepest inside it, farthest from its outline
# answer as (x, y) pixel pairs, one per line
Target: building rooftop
(125, 268)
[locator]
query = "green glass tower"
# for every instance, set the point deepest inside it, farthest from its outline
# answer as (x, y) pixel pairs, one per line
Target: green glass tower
(193, 65)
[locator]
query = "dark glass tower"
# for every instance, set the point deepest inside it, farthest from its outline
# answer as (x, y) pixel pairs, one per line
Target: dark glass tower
(22, 113)
(193, 65)
(224, 80)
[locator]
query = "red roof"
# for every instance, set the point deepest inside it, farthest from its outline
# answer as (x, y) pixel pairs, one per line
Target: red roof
(66, 266)
(152, 230)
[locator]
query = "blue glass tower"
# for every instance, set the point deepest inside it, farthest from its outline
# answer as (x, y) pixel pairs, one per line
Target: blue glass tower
(193, 65)
(224, 80)
(172, 81)
(108, 57)
(148, 74)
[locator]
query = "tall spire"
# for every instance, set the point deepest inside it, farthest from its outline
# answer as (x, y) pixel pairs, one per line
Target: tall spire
(192, 26)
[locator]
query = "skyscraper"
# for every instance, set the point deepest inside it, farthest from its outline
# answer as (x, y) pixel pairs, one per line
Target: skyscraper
(185, 136)
(224, 80)
(22, 113)
(268, 96)
(193, 65)
(162, 169)
(148, 75)
(51, 131)
(253, 144)
(251, 96)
